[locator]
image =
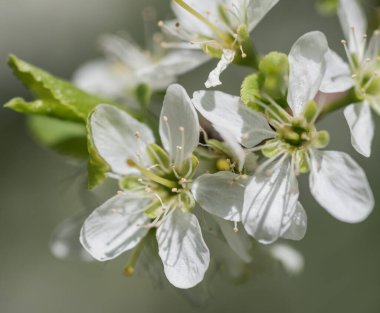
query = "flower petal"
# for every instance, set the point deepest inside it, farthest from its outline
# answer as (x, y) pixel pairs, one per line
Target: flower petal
(114, 135)
(291, 259)
(220, 194)
(214, 76)
(226, 112)
(359, 119)
(298, 226)
(179, 125)
(307, 61)
(240, 242)
(100, 77)
(115, 226)
(256, 10)
(354, 25)
(340, 186)
(182, 249)
(192, 24)
(64, 243)
(337, 76)
(270, 201)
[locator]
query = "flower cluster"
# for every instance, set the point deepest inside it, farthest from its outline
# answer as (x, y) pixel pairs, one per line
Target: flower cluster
(240, 164)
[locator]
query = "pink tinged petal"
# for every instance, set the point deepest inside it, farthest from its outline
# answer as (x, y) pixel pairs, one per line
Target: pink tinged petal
(338, 74)
(118, 137)
(179, 125)
(270, 201)
(214, 76)
(362, 127)
(298, 226)
(115, 226)
(182, 249)
(340, 186)
(307, 61)
(354, 24)
(221, 194)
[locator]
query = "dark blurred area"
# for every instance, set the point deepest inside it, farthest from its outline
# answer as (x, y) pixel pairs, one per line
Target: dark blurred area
(39, 189)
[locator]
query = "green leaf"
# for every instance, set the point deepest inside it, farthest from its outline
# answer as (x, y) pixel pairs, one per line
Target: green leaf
(54, 97)
(143, 95)
(64, 137)
(97, 167)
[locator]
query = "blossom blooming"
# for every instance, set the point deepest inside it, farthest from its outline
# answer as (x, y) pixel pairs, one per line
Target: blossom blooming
(156, 188)
(219, 27)
(126, 65)
(361, 72)
(270, 203)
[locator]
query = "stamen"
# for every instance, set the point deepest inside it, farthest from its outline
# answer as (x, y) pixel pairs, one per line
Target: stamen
(152, 176)
(200, 17)
(236, 229)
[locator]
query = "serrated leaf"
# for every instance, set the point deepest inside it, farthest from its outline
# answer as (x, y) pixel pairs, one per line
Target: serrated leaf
(54, 97)
(65, 137)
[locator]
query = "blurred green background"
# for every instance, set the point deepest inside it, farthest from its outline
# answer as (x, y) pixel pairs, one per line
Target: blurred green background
(37, 192)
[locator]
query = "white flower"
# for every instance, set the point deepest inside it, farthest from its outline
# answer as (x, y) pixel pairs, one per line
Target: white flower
(361, 72)
(219, 27)
(160, 198)
(269, 208)
(126, 65)
(291, 259)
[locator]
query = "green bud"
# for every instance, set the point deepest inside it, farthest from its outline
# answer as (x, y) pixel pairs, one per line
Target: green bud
(250, 90)
(322, 139)
(275, 69)
(310, 111)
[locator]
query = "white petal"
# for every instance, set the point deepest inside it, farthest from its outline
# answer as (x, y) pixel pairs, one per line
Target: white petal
(114, 135)
(220, 194)
(292, 261)
(179, 125)
(340, 186)
(233, 121)
(64, 243)
(239, 241)
(270, 201)
(226, 112)
(307, 61)
(101, 78)
(182, 249)
(298, 226)
(359, 119)
(115, 226)
(214, 76)
(177, 63)
(193, 25)
(125, 50)
(351, 16)
(257, 9)
(338, 74)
